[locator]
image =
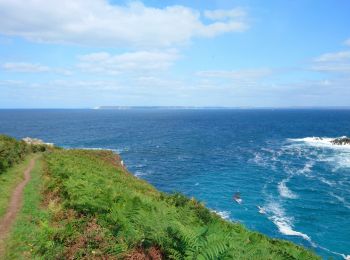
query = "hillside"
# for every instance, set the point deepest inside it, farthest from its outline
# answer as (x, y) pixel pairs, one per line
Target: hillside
(83, 204)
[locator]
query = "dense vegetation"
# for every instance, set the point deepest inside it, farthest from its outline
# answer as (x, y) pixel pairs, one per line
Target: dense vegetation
(96, 209)
(11, 152)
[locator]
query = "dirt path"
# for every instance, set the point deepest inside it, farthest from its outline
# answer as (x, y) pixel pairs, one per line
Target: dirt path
(14, 206)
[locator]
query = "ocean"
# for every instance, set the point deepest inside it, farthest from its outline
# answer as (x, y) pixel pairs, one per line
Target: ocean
(275, 159)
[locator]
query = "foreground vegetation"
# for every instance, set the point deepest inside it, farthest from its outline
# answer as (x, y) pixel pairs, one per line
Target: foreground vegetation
(11, 152)
(83, 204)
(97, 209)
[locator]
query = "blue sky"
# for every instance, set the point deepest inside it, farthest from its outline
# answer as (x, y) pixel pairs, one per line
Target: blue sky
(87, 53)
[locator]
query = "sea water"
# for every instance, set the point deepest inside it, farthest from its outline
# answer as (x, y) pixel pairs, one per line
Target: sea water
(280, 160)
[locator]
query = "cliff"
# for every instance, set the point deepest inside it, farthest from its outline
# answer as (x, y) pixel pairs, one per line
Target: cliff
(84, 204)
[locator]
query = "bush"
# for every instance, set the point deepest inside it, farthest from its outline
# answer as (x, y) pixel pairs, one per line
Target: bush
(37, 148)
(11, 152)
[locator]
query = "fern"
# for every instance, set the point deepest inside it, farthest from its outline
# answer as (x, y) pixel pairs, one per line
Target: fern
(139, 217)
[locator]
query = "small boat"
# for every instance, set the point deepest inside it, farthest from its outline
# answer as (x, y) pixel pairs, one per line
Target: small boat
(237, 198)
(261, 210)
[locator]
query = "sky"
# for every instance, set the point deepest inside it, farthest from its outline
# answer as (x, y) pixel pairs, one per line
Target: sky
(229, 53)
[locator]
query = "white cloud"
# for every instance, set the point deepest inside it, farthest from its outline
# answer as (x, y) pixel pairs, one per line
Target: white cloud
(10, 82)
(28, 67)
(236, 74)
(140, 61)
(334, 56)
(333, 67)
(24, 67)
(97, 22)
(224, 14)
(347, 42)
(336, 62)
(233, 80)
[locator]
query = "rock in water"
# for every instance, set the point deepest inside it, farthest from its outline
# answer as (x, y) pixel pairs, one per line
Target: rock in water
(341, 141)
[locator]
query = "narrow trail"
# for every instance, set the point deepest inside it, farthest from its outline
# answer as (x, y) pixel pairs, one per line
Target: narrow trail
(14, 207)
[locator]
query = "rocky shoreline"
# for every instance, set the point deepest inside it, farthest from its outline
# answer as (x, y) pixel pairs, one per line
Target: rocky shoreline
(341, 141)
(36, 141)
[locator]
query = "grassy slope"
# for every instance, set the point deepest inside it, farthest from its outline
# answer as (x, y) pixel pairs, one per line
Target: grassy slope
(97, 209)
(9, 180)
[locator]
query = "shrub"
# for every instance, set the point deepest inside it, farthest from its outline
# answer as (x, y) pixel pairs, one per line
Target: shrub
(11, 152)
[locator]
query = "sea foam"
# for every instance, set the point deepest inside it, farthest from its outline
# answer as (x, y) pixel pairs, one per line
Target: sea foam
(328, 182)
(284, 223)
(117, 151)
(223, 214)
(321, 142)
(340, 157)
(340, 199)
(307, 168)
(284, 191)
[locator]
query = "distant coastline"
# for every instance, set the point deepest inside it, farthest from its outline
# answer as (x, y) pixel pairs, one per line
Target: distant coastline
(216, 107)
(182, 108)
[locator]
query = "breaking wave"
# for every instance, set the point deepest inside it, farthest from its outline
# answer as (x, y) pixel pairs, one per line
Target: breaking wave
(307, 168)
(223, 214)
(284, 191)
(284, 223)
(321, 142)
(340, 157)
(140, 173)
(117, 151)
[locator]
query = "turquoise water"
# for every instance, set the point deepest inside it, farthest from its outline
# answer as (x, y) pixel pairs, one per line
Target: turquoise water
(302, 184)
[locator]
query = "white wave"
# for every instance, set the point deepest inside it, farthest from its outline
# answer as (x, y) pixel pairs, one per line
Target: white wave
(346, 257)
(340, 199)
(321, 142)
(284, 191)
(307, 168)
(340, 158)
(328, 182)
(223, 214)
(117, 150)
(140, 173)
(284, 223)
(264, 161)
(343, 161)
(268, 150)
(258, 159)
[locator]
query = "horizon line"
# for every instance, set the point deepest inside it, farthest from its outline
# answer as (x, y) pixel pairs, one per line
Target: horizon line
(175, 107)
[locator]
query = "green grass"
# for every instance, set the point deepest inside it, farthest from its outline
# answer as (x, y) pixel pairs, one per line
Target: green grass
(9, 180)
(96, 209)
(26, 229)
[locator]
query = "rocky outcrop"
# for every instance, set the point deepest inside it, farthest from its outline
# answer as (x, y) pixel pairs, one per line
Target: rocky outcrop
(341, 141)
(35, 141)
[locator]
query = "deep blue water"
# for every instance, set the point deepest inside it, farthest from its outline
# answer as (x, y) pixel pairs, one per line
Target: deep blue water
(302, 184)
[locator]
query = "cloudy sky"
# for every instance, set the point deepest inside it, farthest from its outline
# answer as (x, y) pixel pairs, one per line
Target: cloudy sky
(87, 53)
